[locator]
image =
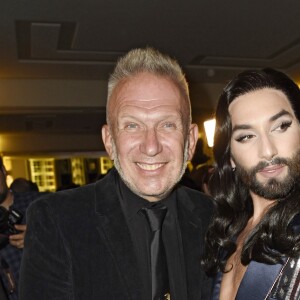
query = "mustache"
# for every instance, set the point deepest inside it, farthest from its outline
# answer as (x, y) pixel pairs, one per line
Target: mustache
(263, 164)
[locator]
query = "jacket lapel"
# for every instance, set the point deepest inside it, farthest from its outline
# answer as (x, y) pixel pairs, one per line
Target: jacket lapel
(191, 232)
(115, 233)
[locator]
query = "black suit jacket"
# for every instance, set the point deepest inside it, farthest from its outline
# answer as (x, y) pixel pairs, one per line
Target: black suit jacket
(78, 245)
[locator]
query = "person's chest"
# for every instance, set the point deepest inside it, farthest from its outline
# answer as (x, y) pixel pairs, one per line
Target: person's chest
(235, 270)
(231, 280)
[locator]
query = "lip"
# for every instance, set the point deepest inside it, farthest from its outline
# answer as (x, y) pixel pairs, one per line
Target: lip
(272, 171)
(150, 167)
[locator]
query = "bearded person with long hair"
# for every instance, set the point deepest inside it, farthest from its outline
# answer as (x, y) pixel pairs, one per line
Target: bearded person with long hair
(253, 243)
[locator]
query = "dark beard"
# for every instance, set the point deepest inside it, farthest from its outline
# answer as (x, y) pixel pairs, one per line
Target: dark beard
(272, 189)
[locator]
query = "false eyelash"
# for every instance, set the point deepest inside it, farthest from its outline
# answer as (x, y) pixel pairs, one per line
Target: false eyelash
(285, 124)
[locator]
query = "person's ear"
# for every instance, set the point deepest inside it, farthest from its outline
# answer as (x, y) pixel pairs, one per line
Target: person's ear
(107, 140)
(193, 138)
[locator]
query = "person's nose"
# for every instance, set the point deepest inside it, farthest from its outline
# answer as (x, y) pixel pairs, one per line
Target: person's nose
(151, 144)
(268, 148)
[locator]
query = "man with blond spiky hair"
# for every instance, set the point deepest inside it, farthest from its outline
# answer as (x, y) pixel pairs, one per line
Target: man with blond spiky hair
(135, 234)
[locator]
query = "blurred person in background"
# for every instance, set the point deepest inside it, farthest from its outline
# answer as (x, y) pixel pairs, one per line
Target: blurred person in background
(23, 185)
(191, 177)
(13, 207)
(201, 176)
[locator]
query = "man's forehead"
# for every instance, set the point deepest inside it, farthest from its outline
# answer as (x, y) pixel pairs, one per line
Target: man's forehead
(148, 104)
(146, 90)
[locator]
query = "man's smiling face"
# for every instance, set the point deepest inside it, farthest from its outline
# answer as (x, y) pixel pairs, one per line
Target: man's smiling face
(149, 138)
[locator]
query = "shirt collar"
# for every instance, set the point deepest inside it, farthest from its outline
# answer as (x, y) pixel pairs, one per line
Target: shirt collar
(132, 203)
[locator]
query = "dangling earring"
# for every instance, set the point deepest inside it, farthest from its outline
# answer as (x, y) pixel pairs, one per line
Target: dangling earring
(233, 169)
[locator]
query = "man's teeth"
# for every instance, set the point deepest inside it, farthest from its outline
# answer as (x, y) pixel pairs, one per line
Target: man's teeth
(149, 167)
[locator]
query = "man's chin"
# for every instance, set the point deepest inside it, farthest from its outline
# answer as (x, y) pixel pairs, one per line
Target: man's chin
(151, 191)
(154, 193)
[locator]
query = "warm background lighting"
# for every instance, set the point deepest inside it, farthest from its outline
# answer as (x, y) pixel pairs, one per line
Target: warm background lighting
(209, 127)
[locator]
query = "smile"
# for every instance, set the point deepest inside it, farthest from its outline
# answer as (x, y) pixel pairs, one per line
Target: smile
(149, 167)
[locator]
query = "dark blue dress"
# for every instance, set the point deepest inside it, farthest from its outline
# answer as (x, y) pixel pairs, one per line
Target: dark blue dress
(260, 278)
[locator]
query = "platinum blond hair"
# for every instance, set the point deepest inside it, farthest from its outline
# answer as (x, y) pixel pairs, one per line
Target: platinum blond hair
(152, 61)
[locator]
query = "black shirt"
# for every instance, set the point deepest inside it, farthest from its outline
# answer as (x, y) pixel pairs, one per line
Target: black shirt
(140, 233)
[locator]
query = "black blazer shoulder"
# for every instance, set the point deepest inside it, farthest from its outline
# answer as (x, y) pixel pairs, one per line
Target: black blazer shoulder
(87, 196)
(198, 203)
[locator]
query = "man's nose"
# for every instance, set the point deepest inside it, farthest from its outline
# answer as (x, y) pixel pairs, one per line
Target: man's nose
(150, 144)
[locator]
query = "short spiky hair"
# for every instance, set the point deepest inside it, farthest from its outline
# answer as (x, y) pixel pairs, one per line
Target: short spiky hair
(152, 61)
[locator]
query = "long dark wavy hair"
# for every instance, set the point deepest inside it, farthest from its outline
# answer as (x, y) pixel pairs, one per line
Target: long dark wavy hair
(274, 237)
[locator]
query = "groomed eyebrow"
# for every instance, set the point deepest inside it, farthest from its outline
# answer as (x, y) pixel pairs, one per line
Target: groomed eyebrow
(280, 114)
(272, 119)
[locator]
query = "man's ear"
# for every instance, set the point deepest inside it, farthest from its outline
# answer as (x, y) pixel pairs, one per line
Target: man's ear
(107, 140)
(193, 138)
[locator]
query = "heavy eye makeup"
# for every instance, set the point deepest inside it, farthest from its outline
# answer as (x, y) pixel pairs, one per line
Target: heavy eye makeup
(283, 126)
(241, 138)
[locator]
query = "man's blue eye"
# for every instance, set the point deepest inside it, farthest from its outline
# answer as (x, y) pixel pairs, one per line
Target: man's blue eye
(131, 126)
(169, 125)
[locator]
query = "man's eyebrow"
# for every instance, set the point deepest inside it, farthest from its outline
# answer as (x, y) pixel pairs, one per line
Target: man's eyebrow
(272, 119)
